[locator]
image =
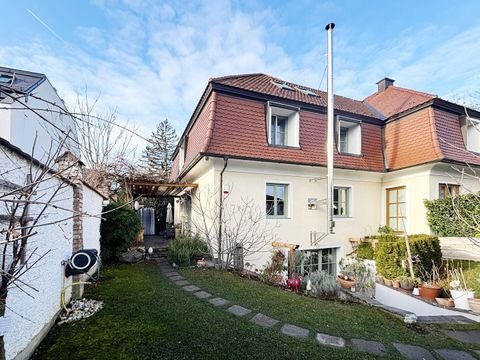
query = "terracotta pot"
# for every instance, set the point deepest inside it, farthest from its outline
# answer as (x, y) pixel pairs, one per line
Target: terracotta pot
(445, 302)
(429, 292)
(406, 285)
(379, 279)
(396, 284)
(345, 284)
(474, 305)
(388, 282)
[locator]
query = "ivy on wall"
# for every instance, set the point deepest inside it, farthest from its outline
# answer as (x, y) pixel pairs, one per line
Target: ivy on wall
(457, 216)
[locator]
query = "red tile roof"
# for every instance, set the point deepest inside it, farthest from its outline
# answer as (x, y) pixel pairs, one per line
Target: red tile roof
(269, 85)
(395, 99)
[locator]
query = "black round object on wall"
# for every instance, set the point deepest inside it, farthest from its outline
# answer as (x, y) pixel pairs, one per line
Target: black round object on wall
(81, 262)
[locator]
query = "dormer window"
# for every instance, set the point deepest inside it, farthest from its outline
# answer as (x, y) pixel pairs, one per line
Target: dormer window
(349, 136)
(473, 134)
(283, 125)
(181, 155)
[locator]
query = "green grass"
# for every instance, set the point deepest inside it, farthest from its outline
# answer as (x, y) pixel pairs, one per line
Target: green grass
(471, 271)
(146, 316)
(335, 318)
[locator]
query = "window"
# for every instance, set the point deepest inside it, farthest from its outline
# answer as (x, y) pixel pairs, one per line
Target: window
(181, 156)
(278, 127)
(473, 134)
(396, 208)
(315, 260)
(283, 125)
(448, 190)
(276, 200)
(349, 140)
(341, 201)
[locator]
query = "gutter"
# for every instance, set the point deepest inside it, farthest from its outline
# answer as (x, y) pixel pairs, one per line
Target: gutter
(220, 211)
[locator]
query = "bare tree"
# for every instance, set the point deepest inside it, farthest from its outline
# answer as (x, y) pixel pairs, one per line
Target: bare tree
(242, 226)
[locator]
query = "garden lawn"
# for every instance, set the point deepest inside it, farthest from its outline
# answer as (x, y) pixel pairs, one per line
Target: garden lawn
(471, 271)
(146, 316)
(334, 318)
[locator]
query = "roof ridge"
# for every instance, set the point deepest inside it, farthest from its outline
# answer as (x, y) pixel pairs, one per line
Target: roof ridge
(236, 76)
(422, 93)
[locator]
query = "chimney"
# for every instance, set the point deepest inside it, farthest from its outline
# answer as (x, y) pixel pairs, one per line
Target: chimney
(69, 166)
(384, 84)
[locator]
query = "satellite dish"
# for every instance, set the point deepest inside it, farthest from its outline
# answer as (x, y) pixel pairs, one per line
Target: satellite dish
(81, 262)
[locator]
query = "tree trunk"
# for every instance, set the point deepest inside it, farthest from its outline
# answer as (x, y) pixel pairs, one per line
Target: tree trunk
(3, 300)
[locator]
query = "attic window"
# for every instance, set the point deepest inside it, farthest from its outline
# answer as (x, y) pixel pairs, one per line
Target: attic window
(282, 85)
(5, 79)
(473, 134)
(349, 136)
(307, 91)
(283, 124)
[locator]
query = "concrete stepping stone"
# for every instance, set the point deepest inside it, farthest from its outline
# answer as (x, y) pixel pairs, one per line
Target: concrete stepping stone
(295, 331)
(218, 301)
(176, 277)
(238, 310)
(372, 347)
(191, 288)
(173, 273)
(448, 354)
(411, 352)
(464, 336)
(264, 321)
(182, 282)
(324, 339)
(202, 294)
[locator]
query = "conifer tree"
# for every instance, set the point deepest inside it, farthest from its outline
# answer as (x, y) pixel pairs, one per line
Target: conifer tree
(157, 154)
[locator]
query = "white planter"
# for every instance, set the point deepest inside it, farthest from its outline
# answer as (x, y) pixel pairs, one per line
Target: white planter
(460, 298)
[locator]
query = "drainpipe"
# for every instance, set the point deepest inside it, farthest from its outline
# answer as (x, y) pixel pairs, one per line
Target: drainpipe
(330, 119)
(220, 212)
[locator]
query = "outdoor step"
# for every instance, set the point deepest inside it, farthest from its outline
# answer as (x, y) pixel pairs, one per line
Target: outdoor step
(294, 331)
(411, 352)
(372, 347)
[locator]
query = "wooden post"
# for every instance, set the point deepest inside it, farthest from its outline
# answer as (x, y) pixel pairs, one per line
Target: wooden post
(292, 250)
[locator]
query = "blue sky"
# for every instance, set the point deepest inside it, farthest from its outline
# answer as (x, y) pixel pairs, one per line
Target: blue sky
(152, 59)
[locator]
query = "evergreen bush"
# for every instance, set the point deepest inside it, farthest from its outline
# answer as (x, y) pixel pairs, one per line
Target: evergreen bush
(120, 224)
(365, 251)
(184, 249)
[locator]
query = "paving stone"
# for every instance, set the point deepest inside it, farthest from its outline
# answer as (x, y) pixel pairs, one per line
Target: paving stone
(372, 347)
(218, 301)
(464, 336)
(454, 354)
(264, 320)
(295, 331)
(454, 319)
(176, 277)
(166, 269)
(173, 273)
(191, 288)
(238, 310)
(202, 294)
(325, 339)
(411, 352)
(182, 282)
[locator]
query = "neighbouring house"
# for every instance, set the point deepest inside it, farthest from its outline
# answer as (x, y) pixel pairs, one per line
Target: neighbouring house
(74, 222)
(258, 137)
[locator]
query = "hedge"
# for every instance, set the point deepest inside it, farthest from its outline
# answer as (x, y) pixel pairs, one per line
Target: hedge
(444, 221)
(391, 252)
(184, 249)
(365, 251)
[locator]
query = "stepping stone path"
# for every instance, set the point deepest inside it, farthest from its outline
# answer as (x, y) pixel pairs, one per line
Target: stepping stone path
(324, 339)
(295, 331)
(182, 282)
(464, 336)
(191, 288)
(372, 347)
(454, 354)
(238, 310)
(218, 301)
(202, 295)
(264, 320)
(411, 352)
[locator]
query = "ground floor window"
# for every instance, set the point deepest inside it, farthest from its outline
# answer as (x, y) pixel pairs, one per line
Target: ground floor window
(397, 208)
(276, 200)
(319, 259)
(448, 190)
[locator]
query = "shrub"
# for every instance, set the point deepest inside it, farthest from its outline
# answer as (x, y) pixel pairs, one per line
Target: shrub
(323, 284)
(274, 268)
(365, 251)
(119, 226)
(391, 255)
(357, 270)
(184, 249)
(444, 220)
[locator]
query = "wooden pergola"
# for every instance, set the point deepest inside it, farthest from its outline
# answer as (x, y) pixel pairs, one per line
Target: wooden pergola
(157, 188)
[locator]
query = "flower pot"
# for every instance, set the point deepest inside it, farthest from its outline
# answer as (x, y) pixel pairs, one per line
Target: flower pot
(445, 302)
(474, 305)
(429, 292)
(396, 284)
(379, 279)
(406, 285)
(460, 298)
(388, 282)
(345, 283)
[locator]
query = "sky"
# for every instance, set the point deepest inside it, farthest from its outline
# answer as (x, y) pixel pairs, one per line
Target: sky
(150, 60)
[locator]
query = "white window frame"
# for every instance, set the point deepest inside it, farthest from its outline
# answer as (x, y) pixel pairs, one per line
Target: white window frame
(181, 155)
(288, 199)
(354, 135)
(472, 138)
(292, 128)
(348, 202)
(333, 264)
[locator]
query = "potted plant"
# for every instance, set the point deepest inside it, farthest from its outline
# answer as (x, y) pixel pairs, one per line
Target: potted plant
(396, 283)
(447, 302)
(407, 282)
(459, 291)
(430, 288)
(388, 282)
(355, 273)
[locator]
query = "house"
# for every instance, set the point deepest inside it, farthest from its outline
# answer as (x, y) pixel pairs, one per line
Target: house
(31, 113)
(258, 137)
